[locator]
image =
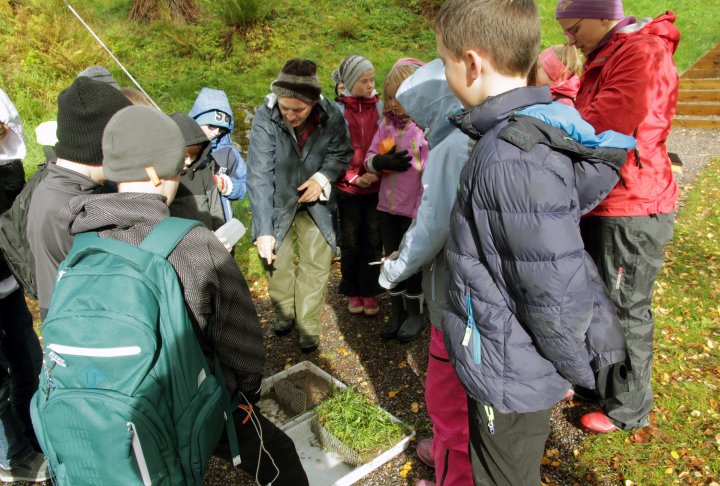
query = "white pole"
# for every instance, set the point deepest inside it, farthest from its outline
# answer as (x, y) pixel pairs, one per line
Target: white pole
(111, 54)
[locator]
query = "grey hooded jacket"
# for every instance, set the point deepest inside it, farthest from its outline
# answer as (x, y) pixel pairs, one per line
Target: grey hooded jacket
(426, 97)
(527, 314)
(277, 166)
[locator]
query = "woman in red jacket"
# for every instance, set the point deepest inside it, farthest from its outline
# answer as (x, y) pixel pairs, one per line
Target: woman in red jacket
(629, 84)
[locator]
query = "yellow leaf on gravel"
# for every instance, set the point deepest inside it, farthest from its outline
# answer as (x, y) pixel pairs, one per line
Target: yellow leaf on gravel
(403, 473)
(392, 394)
(414, 407)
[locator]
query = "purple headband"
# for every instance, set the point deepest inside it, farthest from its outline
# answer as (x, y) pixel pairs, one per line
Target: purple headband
(589, 9)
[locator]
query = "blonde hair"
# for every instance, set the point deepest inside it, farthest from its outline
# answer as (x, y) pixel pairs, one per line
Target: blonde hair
(570, 57)
(506, 31)
(394, 79)
(136, 96)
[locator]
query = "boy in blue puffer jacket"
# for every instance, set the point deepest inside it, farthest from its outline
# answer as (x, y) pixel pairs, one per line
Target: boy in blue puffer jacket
(213, 113)
(527, 314)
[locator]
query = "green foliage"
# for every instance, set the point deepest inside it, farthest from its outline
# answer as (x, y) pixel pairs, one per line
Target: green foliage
(241, 13)
(681, 447)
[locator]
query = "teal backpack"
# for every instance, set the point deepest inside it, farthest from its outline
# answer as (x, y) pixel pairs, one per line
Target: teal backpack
(126, 396)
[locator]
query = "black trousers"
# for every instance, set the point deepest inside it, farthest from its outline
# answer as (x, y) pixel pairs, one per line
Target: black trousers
(629, 253)
(393, 227)
(506, 449)
(277, 444)
(359, 244)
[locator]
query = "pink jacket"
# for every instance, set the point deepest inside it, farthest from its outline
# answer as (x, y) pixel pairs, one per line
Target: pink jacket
(400, 192)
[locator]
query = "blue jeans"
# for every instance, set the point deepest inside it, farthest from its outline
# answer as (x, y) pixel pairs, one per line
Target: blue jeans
(20, 353)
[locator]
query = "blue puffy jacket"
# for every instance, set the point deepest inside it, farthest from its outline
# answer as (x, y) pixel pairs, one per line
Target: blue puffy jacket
(527, 313)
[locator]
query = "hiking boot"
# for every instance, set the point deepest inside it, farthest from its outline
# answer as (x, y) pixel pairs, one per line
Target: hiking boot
(355, 305)
(370, 305)
(414, 324)
(597, 422)
(282, 327)
(397, 317)
(33, 469)
(308, 344)
(424, 452)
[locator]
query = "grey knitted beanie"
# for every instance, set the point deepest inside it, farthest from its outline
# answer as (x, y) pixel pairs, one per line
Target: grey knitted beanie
(351, 69)
(138, 138)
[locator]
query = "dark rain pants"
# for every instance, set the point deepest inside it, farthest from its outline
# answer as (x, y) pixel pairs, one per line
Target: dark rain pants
(628, 252)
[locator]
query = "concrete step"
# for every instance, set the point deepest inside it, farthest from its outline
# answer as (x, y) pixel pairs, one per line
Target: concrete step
(708, 83)
(696, 121)
(698, 109)
(699, 95)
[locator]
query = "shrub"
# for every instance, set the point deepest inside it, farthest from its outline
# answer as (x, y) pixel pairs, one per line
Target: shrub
(243, 13)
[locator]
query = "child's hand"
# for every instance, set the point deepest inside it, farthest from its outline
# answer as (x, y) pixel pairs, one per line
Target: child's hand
(395, 161)
(224, 184)
(366, 180)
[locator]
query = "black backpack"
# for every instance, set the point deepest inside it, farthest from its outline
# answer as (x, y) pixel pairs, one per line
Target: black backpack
(13, 236)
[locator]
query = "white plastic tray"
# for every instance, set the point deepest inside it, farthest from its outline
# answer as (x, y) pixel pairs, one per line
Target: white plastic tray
(324, 468)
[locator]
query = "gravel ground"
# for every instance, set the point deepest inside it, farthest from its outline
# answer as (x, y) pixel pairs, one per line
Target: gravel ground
(351, 351)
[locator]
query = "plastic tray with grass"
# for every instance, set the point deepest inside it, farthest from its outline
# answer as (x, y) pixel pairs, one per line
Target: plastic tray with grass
(351, 426)
(327, 460)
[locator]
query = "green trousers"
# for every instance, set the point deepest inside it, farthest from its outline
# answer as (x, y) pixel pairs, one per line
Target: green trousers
(297, 285)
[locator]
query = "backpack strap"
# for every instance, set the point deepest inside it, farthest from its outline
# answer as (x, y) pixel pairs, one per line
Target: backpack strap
(229, 420)
(166, 235)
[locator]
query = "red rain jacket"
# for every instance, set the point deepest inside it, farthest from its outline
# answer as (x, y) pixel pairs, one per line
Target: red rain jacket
(630, 85)
(362, 117)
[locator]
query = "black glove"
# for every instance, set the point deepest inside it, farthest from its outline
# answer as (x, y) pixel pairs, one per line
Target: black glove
(396, 161)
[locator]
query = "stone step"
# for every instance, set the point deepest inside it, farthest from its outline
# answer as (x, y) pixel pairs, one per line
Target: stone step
(708, 83)
(696, 121)
(699, 95)
(698, 109)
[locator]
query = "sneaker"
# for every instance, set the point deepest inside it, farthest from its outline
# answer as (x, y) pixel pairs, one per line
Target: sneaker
(308, 344)
(371, 306)
(355, 305)
(424, 452)
(597, 422)
(33, 469)
(282, 327)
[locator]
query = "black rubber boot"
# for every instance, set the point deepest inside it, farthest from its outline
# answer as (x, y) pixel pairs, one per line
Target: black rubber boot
(397, 317)
(414, 324)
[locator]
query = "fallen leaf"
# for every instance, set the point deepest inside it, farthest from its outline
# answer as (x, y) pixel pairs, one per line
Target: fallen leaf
(675, 455)
(392, 394)
(414, 407)
(669, 471)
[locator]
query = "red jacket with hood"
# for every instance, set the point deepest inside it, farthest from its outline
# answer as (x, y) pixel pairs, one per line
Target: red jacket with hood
(362, 117)
(630, 85)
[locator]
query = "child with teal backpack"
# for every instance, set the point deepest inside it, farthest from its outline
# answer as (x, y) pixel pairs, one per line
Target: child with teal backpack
(151, 366)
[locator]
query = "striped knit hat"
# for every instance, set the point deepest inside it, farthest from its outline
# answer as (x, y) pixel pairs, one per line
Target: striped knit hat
(589, 9)
(298, 79)
(351, 69)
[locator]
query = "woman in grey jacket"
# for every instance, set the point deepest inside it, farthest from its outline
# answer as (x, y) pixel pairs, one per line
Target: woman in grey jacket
(299, 146)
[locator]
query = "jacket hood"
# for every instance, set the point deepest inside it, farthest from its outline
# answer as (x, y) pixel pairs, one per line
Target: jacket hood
(193, 135)
(210, 100)
(483, 117)
(98, 211)
(568, 88)
(427, 98)
(13, 147)
(662, 26)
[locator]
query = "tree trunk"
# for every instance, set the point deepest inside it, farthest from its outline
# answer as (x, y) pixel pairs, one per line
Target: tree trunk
(153, 9)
